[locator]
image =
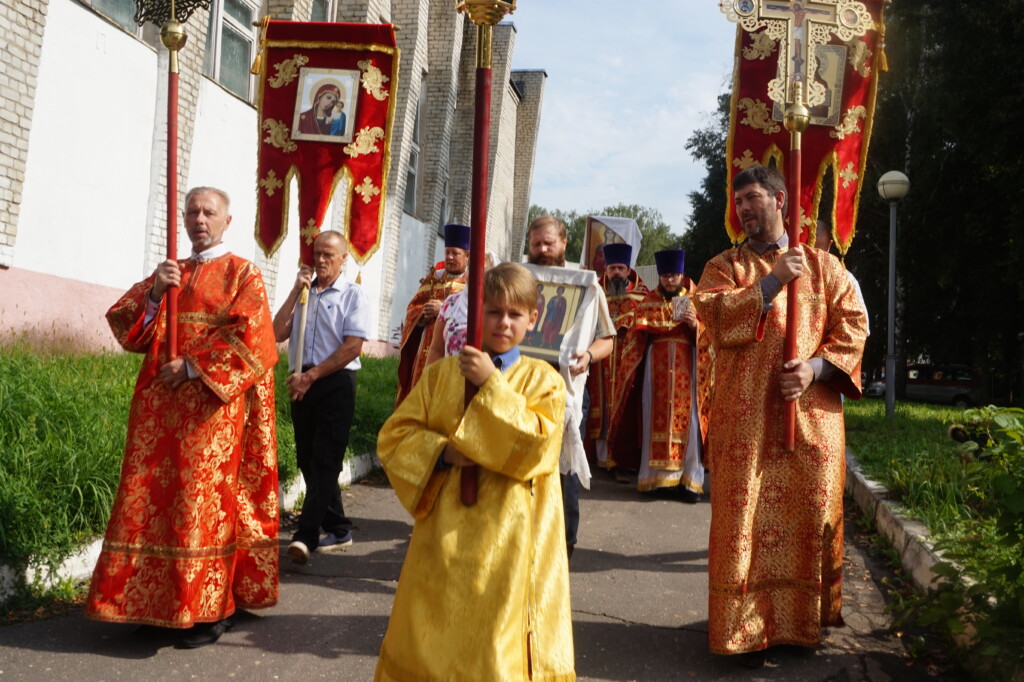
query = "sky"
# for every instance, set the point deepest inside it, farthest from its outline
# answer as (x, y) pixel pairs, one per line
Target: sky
(628, 83)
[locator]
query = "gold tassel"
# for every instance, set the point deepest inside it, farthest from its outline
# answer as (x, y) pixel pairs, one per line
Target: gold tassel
(257, 63)
(359, 277)
(881, 62)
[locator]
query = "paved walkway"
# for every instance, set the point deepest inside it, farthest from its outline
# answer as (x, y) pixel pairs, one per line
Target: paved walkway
(639, 598)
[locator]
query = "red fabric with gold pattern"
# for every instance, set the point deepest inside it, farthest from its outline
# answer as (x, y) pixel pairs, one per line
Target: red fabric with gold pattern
(193, 529)
(838, 141)
(416, 338)
(288, 49)
(601, 384)
(671, 344)
(775, 557)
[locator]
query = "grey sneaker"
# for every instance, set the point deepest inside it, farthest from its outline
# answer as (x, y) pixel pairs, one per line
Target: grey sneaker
(332, 543)
(298, 552)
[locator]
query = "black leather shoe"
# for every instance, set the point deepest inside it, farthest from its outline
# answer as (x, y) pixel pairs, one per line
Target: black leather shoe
(689, 496)
(202, 634)
(752, 659)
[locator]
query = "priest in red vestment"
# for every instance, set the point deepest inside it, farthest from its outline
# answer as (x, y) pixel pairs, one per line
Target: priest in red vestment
(658, 373)
(193, 529)
(775, 557)
(418, 329)
(624, 290)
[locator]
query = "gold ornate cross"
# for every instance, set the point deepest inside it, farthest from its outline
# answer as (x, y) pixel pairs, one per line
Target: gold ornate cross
(798, 26)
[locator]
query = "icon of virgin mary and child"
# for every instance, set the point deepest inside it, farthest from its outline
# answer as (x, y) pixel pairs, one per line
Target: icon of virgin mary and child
(327, 115)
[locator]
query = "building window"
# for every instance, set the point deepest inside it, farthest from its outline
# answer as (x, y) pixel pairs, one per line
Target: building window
(412, 170)
(230, 44)
(323, 10)
(122, 13)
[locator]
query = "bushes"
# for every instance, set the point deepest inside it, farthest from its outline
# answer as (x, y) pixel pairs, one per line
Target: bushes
(980, 601)
(967, 486)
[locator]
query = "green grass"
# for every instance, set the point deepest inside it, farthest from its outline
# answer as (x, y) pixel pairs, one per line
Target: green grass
(913, 456)
(63, 419)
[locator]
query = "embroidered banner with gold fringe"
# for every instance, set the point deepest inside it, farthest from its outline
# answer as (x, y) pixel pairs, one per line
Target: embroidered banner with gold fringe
(840, 128)
(326, 104)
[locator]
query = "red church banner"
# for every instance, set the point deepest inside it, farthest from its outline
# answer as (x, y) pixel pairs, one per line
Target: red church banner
(838, 134)
(326, 104)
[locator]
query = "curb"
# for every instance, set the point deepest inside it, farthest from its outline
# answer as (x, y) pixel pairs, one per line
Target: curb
(79, 565)
(910, 538)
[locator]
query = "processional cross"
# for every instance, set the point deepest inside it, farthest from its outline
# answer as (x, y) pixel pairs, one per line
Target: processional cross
(798, 27)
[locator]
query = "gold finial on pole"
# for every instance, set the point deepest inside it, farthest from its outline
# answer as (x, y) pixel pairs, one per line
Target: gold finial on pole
(797, 116)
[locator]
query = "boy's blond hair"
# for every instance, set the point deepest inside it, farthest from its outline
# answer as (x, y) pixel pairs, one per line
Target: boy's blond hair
(512, 285)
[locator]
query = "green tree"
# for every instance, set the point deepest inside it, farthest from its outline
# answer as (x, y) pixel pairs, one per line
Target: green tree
(706, 236)
(654, 231)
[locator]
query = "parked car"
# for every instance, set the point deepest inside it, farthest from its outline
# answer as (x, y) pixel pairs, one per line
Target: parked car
(947, 384)
(874, 388)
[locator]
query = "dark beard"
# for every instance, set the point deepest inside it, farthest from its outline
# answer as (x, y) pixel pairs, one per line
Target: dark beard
(551, 261)
(668, 295)
(617, 287)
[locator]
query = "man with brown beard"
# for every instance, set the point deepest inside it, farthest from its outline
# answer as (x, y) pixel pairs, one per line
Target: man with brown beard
(588, 340)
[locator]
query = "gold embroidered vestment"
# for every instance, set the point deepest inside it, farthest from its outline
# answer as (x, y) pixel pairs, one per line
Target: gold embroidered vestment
(416, 338)
(193, 529)
(776, 539)
(601, 386)
(484, 590)
(670, 345)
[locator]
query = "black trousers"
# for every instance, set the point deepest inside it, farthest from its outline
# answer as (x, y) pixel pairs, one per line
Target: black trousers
(322, 421)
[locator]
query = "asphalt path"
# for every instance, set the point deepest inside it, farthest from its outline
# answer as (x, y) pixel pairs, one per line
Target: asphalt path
(639, 601)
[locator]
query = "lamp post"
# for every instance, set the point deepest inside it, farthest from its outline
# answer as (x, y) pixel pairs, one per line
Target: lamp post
(892, 187)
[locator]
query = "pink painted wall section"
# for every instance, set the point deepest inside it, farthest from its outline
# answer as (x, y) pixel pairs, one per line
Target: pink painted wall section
(55, 313)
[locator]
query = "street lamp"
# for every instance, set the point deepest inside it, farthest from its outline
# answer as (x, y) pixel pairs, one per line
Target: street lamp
(892, 187)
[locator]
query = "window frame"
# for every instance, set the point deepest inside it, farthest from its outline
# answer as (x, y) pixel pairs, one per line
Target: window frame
(212, 59)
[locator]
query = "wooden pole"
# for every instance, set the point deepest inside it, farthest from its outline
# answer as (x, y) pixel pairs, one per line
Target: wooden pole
(478, 238)
(172, 35)
(797, 118)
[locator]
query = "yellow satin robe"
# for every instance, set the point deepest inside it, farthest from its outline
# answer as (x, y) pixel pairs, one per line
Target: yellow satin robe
(484, 590)
(776, 541)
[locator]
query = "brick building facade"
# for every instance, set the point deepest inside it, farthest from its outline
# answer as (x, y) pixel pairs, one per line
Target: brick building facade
(83, 127)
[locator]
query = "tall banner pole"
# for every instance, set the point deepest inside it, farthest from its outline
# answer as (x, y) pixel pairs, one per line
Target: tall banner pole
(170, 17)
(172, 35)
(797, 118)
(485, 14)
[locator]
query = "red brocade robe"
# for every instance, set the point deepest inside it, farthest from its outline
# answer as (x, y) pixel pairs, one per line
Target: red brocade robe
(416, 338)
(668, 347)
(193, 529)
(601, 383)
(775, 559)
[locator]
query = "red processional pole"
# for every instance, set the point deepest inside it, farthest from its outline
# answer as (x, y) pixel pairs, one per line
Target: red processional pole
(169, 16)
(173, 37)
(797, 119)
(485, 14)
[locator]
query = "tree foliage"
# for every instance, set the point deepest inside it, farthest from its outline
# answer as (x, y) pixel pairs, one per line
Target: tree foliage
(655, 232)
(706, 236)
(945, 116)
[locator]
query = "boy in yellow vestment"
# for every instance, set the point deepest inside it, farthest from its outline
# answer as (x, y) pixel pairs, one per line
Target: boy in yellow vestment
(484, 590)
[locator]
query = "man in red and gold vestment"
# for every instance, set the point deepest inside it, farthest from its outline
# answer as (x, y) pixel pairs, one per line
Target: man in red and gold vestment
(418, 329)
(193, 529)
(775, 558)
(624, 290)
(658, 372)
